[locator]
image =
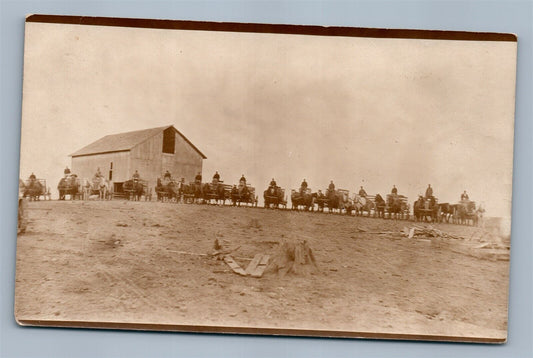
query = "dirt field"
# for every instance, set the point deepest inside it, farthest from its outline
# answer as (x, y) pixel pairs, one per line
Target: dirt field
(141, 262)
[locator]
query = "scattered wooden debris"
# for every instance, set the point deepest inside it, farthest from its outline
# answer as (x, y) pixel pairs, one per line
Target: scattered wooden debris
(234, 266)
(428, 232)
(253, 264)
(257, 267)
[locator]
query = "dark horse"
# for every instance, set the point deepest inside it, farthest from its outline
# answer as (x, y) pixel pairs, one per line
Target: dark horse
(33, 189)
(168, 191)
(68, 186)
(426, 210)
(335, 201)
(134, 189)
(380, 206)
(215, 192)
(242, 194)
(307, 200)
(395, 206)
(445, 212)
(273, 196)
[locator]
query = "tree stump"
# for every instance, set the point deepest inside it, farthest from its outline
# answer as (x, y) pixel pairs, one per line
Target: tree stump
(293, 258)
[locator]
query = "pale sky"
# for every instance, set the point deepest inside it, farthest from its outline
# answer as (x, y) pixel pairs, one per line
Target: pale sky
(358, 111)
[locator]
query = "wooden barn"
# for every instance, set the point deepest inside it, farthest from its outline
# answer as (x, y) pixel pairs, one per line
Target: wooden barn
(151, 151)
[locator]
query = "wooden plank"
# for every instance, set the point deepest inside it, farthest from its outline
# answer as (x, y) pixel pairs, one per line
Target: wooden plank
(264, 260)
(234, 266)
(260, 269)
(253, 264)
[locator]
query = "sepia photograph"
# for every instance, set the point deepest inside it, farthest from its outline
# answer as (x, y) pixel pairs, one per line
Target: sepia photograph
(265, 179)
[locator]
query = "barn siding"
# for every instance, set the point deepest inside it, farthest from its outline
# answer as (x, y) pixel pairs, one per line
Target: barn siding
(148, 158)
(85, 166)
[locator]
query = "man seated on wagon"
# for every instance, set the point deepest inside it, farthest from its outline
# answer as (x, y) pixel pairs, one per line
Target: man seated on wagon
(320, 194)
(331, 188)
(464, 196)
(98, 174)
(273, 183)
(216, 178)
(136, 176)
(429, 192)
(394, 190)
(167, 175)
(66, 172)
(362, 192)
(198, 178)
(242, 180)
(303, 187)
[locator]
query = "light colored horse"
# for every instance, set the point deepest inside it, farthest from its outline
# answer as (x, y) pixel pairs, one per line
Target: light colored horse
(363, 204)
(97, 185)
(100, 185)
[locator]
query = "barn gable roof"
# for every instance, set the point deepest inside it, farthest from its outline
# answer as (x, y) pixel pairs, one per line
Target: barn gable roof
(123, 142)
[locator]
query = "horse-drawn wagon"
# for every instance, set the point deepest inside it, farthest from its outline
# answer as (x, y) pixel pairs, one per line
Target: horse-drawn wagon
(72, 186)
(465, 212)
(364, 204)
(34, 189)
(305, 199)
(216, 191)
(335, 201)
(274, 196)
(396, 206)
(426, 209)
(243, 194)
(135, 189)
(96, 186)
(168, 190)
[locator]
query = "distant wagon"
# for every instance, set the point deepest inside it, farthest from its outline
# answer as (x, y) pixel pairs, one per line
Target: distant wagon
(396, 207)
(465, 212)
(34, 189)
(244, 194)
(274, 196)
(426, 209)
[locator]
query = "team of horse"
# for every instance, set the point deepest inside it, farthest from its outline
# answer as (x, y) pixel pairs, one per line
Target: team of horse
(207, 193)
(82, 188)
(33, 189)
(339, 201)
(335, 201)
(465, 212)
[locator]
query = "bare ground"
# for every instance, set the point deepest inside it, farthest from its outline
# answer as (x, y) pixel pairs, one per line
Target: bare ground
(139, 262)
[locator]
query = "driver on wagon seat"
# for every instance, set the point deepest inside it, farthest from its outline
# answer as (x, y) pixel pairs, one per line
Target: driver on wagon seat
(198, 178)
(331, 187)
(216, 178)
(98, 174)
(303, 187)
(273, 183)
(136, 176)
